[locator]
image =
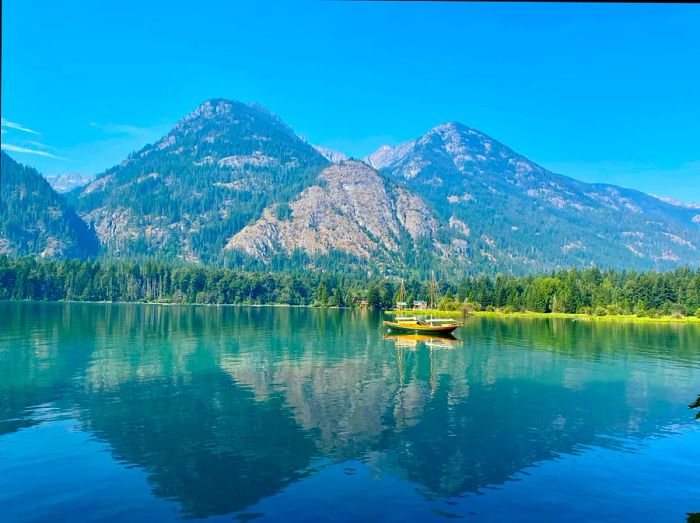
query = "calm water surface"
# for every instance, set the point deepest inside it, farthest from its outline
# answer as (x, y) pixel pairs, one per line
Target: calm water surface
(141, 412)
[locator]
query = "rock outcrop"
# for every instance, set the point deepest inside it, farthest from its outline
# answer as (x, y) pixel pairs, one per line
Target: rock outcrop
(352, 210)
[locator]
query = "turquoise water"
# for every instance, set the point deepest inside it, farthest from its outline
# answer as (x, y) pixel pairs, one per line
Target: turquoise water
(160, 413)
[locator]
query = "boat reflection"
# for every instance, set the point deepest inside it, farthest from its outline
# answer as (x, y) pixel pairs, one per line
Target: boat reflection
(413, 341)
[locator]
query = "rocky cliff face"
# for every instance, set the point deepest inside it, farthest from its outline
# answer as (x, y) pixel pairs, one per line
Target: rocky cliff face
(352, 209)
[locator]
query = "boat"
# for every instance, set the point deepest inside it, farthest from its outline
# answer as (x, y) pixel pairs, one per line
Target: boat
(416, 325)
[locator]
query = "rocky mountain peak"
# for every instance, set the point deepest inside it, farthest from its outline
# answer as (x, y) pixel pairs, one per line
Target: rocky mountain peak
(677, 203)
(466, 147)
(331, 155)
(232, 115)
(455, 133)
(452, 142)
(387, 155)
(212, 108)
(230, 133)
(66, 182)
(450, 147)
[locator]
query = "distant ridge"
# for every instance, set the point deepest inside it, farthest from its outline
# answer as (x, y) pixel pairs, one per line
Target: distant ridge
(67, 182)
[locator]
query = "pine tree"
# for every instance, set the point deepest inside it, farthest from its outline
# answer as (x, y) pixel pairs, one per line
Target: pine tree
(322, 293)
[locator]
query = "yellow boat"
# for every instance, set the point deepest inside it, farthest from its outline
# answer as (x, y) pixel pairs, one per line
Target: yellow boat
(419, 326)
(413, 324)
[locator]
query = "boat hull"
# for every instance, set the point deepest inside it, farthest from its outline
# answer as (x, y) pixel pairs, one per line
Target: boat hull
(421, 329)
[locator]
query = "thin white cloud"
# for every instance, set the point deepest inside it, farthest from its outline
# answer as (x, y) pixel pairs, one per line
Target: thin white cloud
(39, 144)
(18, 149)
(118, 128)
(14, 125)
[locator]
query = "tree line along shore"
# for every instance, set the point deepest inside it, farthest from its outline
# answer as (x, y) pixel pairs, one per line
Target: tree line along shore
(592, 293)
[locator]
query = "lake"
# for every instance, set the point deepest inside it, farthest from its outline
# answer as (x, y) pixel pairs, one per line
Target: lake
(146, 412)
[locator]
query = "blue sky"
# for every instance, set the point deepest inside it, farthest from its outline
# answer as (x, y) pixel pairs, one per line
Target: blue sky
(601, 92)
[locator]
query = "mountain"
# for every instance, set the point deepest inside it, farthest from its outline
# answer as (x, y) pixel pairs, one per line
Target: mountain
(66, 182)
(331, 155)
(231, 183)
(354, 210)
(35, 220)
(185, 195)
(523, 217)
(677, 203)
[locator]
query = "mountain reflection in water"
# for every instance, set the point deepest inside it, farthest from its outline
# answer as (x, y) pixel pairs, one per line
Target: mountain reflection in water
(223, 407)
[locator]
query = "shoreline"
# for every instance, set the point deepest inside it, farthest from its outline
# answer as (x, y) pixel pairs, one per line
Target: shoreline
(173, 304)
(610, 318)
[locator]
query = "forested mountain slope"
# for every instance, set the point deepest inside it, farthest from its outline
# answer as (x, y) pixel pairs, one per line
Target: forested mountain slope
(185, 195)
(522, 217)
(35, 220)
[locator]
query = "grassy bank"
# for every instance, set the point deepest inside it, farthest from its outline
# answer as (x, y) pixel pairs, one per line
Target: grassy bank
(547, 315)
(427, 312)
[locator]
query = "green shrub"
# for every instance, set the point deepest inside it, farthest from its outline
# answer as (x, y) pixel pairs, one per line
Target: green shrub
(508, 309)
(676, 311)
(653, 313)
(640, 309)
(601, 311)
(448, 304)
(470, 306)
(614, 309)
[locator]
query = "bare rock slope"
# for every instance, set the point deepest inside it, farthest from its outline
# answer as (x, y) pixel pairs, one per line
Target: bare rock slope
(352, 209)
